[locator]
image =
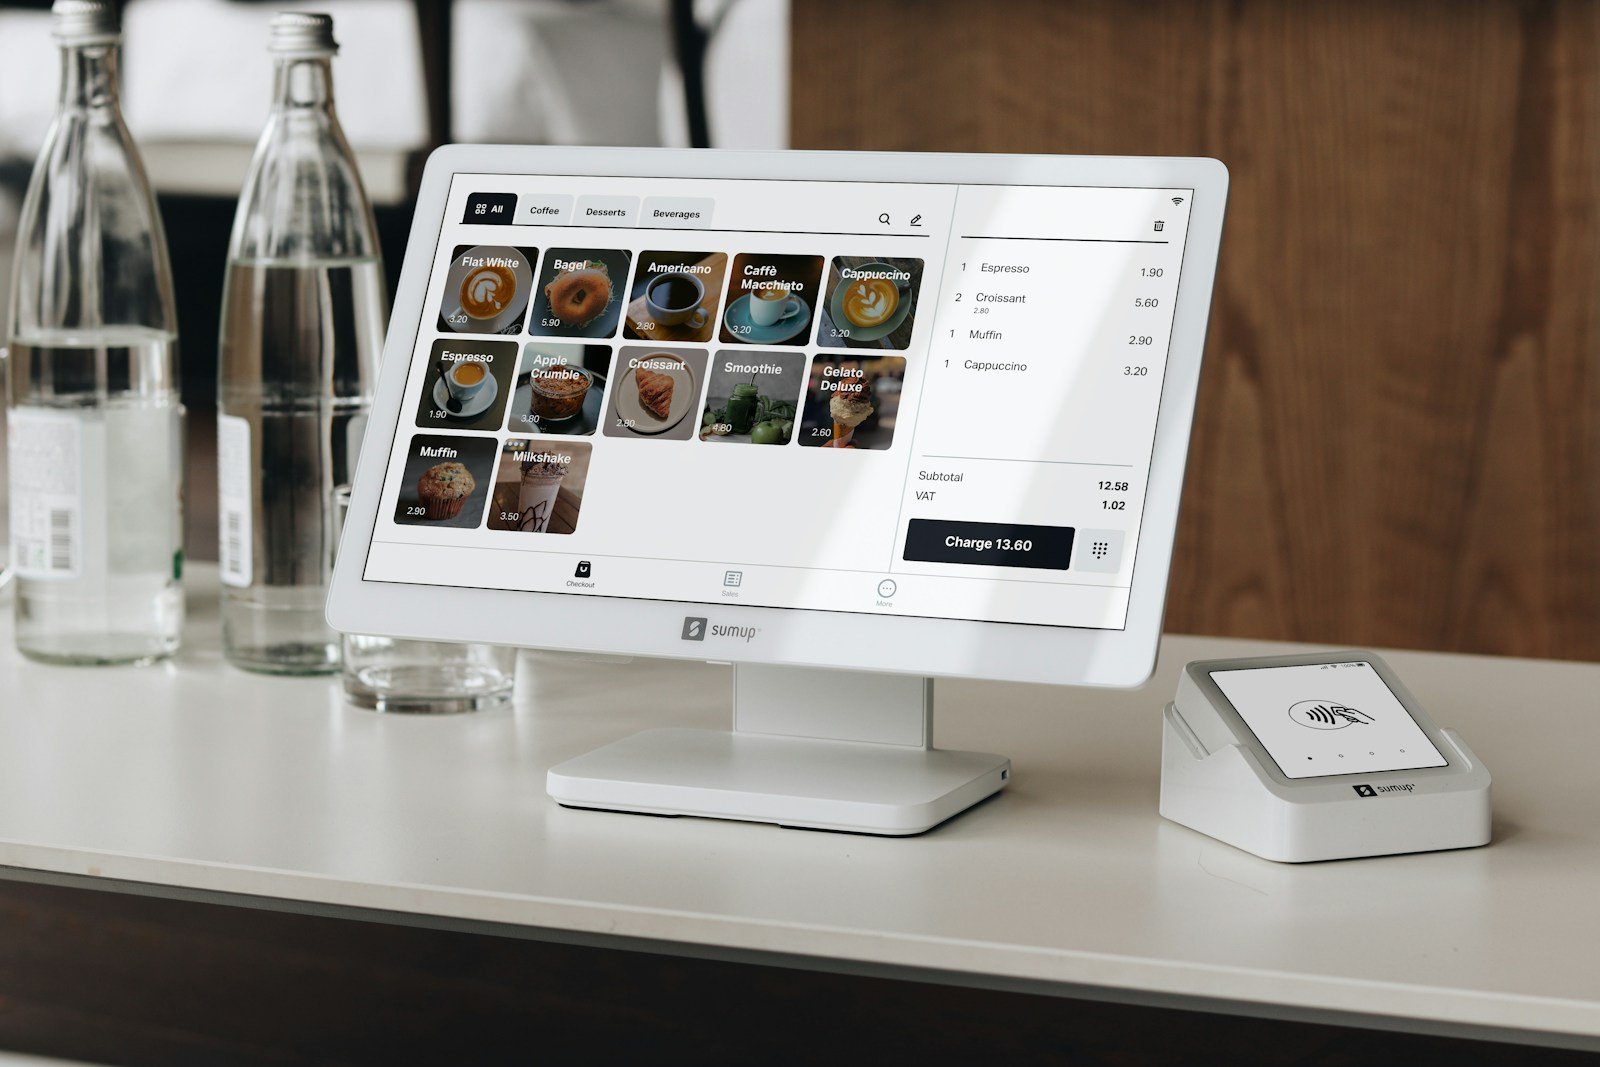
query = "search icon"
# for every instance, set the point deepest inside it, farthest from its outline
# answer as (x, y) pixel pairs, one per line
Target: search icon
(884, 218)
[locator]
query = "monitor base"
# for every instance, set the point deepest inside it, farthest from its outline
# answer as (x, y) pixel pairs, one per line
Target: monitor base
(786, 762)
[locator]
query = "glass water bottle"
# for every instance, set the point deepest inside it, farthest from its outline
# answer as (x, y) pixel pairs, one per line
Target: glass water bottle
(95, 423)
(303, 315)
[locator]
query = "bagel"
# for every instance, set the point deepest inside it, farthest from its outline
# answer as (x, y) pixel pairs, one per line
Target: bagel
(577, 297)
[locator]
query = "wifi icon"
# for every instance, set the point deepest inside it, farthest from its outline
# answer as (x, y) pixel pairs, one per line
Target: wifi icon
(1177, 200)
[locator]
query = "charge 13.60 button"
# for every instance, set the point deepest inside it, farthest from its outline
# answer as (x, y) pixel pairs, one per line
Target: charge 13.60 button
(989, 544)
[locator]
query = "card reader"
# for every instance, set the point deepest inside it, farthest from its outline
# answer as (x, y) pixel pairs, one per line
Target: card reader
(1316, 757)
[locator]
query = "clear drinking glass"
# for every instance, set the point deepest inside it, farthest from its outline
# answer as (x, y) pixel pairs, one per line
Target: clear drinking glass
(427, 677)
(303, 316)
(430, 677)
(94, 421)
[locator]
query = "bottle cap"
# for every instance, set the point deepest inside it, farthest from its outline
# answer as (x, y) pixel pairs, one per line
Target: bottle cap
(301, 34)
(85, 22)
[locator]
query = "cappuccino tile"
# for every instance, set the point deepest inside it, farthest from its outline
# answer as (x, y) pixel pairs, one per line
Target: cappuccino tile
(870, 302)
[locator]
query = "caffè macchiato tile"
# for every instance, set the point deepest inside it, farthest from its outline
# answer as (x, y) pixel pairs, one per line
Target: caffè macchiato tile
(772, 299)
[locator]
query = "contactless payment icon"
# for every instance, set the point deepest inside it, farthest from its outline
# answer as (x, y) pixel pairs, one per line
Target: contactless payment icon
(1327, 715)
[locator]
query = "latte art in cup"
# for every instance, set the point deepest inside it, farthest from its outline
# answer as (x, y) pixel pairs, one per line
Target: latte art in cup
(870, 301)
(488, 290)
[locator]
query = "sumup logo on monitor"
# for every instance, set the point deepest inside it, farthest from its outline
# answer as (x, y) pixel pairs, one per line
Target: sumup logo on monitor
(694, 628)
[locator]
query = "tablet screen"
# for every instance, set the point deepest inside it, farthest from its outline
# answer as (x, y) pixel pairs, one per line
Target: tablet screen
(899, 399)
(1320, 719)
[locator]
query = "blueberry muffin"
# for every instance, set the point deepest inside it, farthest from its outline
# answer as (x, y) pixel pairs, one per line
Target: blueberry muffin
(444, 488)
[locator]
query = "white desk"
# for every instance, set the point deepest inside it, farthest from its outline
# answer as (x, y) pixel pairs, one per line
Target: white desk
(202, 781)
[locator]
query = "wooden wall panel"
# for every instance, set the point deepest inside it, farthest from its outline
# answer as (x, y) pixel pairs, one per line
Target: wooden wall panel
(1398, 440)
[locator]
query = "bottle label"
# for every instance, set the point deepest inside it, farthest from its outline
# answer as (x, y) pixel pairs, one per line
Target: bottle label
(46, 479)
(235, 550)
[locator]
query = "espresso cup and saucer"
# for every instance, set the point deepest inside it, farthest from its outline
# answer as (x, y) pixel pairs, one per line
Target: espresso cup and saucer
(470, 383)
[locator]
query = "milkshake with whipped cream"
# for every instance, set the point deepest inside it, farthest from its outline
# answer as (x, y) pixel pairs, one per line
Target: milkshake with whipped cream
(536, 495)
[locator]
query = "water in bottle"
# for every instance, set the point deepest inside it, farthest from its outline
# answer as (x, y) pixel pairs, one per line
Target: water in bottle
(302, 328)
(94, 422)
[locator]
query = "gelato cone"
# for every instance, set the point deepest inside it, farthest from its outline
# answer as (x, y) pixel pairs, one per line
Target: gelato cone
(850, 407)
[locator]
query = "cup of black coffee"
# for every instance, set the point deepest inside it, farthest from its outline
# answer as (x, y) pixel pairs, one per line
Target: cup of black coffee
(674, 300)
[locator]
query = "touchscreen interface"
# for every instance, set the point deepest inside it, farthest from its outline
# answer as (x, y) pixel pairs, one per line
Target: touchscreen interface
(916, 400)
(1321, 719)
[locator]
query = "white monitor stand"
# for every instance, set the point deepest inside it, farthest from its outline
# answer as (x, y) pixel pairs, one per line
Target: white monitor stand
(820, 749)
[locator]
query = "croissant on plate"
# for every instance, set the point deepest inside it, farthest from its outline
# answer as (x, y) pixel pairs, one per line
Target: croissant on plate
(655, 391)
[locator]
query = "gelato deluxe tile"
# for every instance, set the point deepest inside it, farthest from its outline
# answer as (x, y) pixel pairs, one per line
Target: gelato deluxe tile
(852, 402)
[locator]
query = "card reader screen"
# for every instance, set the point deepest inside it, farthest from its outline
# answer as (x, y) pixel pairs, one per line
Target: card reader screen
(1322, 719)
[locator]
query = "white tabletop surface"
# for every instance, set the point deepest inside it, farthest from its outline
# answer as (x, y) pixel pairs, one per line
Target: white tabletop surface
(198, 776)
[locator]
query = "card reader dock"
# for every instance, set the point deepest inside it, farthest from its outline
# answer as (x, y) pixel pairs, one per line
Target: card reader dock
(1316, 757)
